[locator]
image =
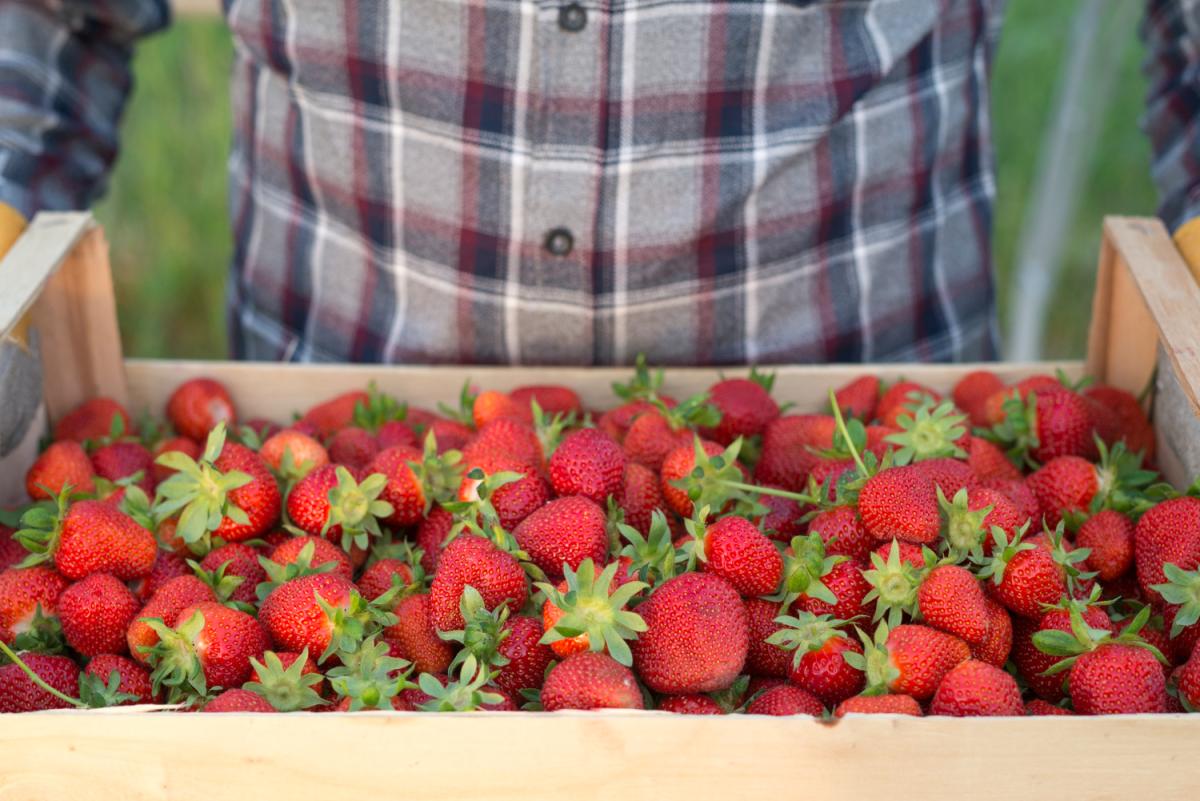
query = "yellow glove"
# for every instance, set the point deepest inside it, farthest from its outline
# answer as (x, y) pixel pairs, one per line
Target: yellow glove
(1187, 239)
(11, 226)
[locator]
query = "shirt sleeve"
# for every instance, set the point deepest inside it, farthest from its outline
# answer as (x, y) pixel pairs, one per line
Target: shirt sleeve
(64, 80)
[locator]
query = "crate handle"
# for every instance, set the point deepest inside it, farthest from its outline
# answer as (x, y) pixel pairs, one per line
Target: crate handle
(57, 276)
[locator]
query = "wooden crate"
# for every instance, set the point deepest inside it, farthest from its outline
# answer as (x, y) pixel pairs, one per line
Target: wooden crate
(1145, 300)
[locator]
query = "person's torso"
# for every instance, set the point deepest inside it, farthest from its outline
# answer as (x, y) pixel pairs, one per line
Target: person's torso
(544, 182)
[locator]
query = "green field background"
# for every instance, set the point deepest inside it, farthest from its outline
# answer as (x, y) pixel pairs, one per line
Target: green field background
(167, 219)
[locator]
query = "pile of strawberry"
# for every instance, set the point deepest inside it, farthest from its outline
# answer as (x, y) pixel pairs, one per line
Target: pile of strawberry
(1007, 550)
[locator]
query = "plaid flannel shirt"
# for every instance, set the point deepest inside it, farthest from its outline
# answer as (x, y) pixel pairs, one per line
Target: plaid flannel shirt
(511, 181)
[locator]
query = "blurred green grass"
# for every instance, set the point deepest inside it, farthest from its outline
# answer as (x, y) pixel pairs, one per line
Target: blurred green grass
(166, 212)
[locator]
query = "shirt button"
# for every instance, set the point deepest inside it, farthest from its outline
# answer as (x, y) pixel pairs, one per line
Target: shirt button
(572, 18)
(559, 242)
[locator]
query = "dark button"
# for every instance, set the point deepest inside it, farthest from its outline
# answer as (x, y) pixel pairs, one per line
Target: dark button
(572, 18)
(559, 242)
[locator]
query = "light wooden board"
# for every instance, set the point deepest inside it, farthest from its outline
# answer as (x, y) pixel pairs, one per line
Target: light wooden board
(275, 391)
(39, 251)
(580, 756)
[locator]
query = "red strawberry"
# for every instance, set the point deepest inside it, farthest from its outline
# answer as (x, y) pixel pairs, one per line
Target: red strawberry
(492, 405)
(527, 656)
(651, 437)
(417, 638)
(238, 701)
(697, 635)
(293, 615)
(1038, 707)
(514, 501)
(1019, 493)
(735, 550)
(476, 561)
(449, 434)
(211, 643)
(12, 551)
(198, 405)
(507, 438)
(785, 699)
(167, 602)
(763, 658)
(18, 693)
(858, 398)
(95, 614)
(997, 643)
(1118, 679)
(1062, 485)
(819, 665)
(677, 466)
(1122, 419)
(1025, 578)
(119, 460)
(133, 678)
(92, 420)
(95, 537)
(950, 599)
(379, 578)
(899, 399)
(22, 592)
(694, 704)
(746, 405)
(640, 496)
(878, 705)
(588, 463)
(843, 532)
(328, 502)
(304, 452)
(1064, 426)
(1032, 662)
(354, 447)
(1004, 513)
(336, 413)
(948, 475)
(1109, 535)
(900, 502)
(240, 560)
(1167, 533)
(259, 499)
(972, 392)
(786, 458)
(591, 680)
(288, 552)
(63, 463)
(977, 689)
(909, 659)
(616, 422)
(988, 462)
(405, 490)
(567, 530)
(1189, 682)
(397, 432)
(845, 580)
(553, 399)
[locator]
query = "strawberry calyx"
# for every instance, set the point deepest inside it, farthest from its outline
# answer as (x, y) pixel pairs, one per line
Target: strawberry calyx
(465, 694)
(1003, 551)
(42, 634)
(465, 412)
(764, 380)
(550, 429)
(356, 507)
(222, 583)
(962, 528)
(176, 665)
(369, 677)
(653, 557)
(696, 411)
(41, 527)
(895, 583)
(439, 474)
(804, 633)
(1122, 483)
(199, 493)
(1017, 433)
(378, 410)
(875, 661)
(716, 482)
(1083, 638)
(1069, 559)
(804, 565)
(644, 385)
(351, 624)
(929, 432)
(1182, 588)
(482, 633)
(480, 513)
(287, 689)
(136, 504)
(593, 608)
(282, 573)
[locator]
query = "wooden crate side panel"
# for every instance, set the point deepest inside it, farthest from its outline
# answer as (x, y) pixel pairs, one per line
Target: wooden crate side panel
(275, 391)
(135, 757)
